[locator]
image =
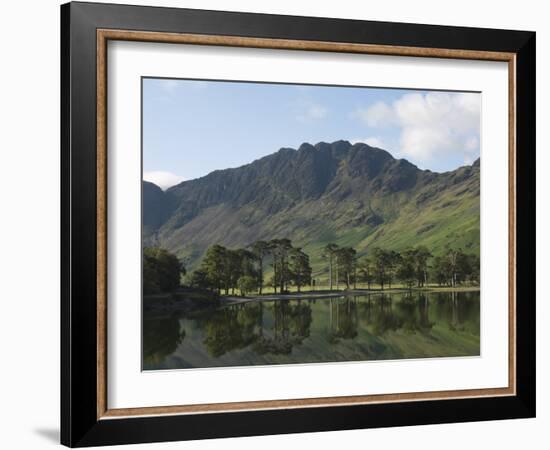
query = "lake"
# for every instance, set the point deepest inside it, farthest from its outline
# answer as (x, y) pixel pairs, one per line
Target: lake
(348, 328)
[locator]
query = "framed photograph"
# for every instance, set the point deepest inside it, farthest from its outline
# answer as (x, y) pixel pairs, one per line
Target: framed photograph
(277, 224)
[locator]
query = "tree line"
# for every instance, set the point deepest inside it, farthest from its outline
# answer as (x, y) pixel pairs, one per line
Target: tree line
(162, 271)
(244, 269)
(416, 266)
(226, 270)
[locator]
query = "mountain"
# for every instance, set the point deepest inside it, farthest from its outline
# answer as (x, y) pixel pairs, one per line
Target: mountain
(353, 195)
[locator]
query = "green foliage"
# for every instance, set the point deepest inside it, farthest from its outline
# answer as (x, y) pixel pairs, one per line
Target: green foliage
(280, 251)
(227, 269)
(246, 284)
(217, 266)
(329, 253)
(346, 259)
(385, 265)
(413, 266)
(199, 279)
(260, 249)
(455, 267)
(366, 270)
(161, 271)
(474, 266)
(406, 271)
(299, 268)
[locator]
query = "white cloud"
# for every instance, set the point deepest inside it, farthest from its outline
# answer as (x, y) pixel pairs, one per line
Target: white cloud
(472, 144)
(164, 180)
(436, 124)
(373, 141)
(313, 112)
(377, 115)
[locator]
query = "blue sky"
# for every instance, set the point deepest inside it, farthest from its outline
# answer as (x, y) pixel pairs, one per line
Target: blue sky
(191, 127)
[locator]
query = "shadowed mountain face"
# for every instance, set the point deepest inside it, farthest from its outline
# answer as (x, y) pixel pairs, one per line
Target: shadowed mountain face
(353, 195)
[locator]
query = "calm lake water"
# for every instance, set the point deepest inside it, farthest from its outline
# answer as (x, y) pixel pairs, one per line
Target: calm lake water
(370, 327)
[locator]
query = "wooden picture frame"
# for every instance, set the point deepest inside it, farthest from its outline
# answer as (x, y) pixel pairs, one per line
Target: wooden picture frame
(86, 418)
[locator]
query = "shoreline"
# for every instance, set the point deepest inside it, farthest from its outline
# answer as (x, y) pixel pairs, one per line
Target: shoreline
(233, 299)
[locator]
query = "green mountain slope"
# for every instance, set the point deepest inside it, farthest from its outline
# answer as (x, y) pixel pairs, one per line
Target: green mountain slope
(353, 195)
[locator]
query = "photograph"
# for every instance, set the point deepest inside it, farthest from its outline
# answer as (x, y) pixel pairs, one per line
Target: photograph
(294, 224)
(285, 221)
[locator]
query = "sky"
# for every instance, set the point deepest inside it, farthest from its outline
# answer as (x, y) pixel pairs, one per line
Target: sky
(193, 127)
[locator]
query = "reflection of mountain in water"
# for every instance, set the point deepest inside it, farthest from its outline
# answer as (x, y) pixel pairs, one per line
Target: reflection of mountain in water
(368, 327)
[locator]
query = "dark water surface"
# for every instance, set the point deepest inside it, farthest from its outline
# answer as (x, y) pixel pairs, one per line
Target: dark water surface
(359, 328)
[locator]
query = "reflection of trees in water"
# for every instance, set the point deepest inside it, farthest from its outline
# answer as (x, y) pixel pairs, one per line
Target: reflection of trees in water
(233, 327)
(377, 312)
(343, 319)
(408, 312)
(457, 309)
(413, 313)
(161, 338)
(277, 327)
(291, 325)
(240, 326)
(424, 312)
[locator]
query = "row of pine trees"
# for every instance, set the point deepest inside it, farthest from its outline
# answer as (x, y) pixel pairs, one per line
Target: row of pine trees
(226, 270)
